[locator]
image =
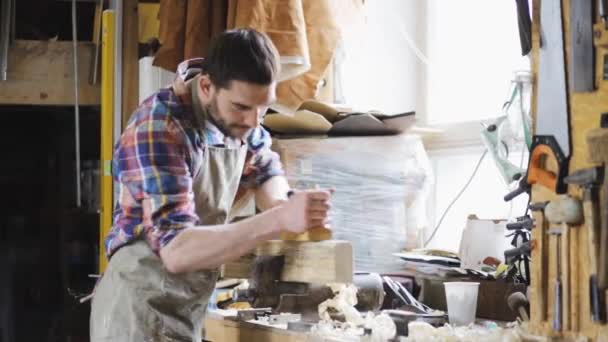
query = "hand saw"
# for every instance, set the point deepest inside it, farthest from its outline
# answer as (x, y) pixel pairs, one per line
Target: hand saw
(551, 139)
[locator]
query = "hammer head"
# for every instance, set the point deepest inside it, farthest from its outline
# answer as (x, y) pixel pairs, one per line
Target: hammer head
(518, 300)
(592, 176)
(564, 209)
(597, 144)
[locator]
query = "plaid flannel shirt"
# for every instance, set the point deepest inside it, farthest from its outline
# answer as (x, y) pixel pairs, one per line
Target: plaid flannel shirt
(153, 163)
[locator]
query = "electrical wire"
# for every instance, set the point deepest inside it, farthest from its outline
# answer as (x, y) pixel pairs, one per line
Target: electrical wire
(445, 212)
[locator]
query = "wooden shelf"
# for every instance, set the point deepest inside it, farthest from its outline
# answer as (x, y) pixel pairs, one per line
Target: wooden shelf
(42, 73)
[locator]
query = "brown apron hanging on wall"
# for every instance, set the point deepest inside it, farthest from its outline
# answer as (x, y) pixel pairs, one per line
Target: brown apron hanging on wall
(186, 29)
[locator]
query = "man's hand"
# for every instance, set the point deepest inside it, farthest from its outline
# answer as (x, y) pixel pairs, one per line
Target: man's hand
(207, 247)
(305, 209)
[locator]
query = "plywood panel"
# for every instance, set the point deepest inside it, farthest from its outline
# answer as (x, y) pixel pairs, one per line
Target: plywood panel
(42, 73)
(585, 111)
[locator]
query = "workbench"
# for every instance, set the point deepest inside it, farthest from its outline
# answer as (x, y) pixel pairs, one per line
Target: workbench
(219, 327)
(222, 328)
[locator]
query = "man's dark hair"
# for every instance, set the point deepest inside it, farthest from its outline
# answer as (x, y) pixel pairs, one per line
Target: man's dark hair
(242, 54)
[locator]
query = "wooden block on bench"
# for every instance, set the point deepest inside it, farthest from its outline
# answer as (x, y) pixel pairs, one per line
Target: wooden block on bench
(319, 262)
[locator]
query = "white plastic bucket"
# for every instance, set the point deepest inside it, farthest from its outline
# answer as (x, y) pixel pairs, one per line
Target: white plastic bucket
(461, 298)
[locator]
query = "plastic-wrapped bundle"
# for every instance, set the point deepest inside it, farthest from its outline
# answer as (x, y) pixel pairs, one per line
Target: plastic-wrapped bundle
(381, 186)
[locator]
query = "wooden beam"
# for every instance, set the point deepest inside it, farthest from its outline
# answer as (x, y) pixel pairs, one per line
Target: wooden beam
(321, 262)
(130, 59)
(42, 73)
(106, 129)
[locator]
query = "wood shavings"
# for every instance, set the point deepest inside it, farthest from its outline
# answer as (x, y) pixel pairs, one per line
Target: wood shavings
(375, 328)
(382, 327)
(343, 303)
(424, 332)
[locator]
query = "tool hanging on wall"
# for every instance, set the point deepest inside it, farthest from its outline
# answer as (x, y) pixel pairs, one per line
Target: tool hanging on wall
(552, 129)
(551, 139)
(600, 38)
(562, 213)
(511, 131)
(540, 283)
(589, 180)
(602, 9)
(519, 304)
(525, 26)
(520, 239)
(597, 143)
(581, 46)
(557, 290)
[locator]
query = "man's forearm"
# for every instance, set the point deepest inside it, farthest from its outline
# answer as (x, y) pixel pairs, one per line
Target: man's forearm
(272, 193)
(207, 247)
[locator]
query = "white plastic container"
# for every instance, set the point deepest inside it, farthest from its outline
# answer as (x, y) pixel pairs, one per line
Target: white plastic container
(461, 298)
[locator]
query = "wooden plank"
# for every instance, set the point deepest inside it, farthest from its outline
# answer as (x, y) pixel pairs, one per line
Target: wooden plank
(576, 256)
(130, 59)
(239, 268)
(552, 276)
(226, 330)
(539, 288)
(42, 73)
(566, 279)
(319, 262)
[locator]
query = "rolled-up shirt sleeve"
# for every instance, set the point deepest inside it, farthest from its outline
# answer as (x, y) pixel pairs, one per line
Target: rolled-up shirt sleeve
(263, 163)
(155, 179)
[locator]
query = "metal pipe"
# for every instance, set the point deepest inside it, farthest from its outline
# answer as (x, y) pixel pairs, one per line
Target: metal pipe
(13, 21)
(76, 103)
(5, 26)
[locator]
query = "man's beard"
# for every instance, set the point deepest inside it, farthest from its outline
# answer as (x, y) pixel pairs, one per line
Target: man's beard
(225, 127)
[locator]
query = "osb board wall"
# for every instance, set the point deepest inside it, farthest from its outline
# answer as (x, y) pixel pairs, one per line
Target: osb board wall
(585, 111)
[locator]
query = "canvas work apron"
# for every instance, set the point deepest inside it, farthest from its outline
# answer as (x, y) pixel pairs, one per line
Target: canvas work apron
(137, 299)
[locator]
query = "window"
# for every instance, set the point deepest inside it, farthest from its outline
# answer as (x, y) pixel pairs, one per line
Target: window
(376, 68)
(453, 62)
(472, 59)
(473, 51)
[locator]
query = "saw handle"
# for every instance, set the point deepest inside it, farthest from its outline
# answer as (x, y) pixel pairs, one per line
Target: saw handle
(537, 174)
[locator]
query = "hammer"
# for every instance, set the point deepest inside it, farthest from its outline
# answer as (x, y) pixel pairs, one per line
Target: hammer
(589, 180)
(519, 304)
(597, 144)
(563, 211)
(540, 284)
